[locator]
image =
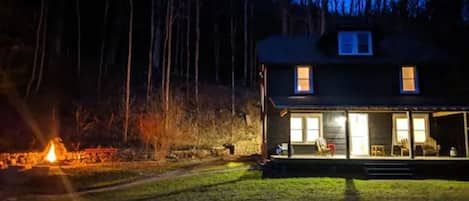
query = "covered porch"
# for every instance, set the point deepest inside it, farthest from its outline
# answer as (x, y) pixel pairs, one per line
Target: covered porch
(373, 133)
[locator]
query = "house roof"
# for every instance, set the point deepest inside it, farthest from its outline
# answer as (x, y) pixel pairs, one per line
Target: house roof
(388, 48)
(378, 103)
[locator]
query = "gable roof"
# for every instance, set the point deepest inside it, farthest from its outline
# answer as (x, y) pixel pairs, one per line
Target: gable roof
(392, 49)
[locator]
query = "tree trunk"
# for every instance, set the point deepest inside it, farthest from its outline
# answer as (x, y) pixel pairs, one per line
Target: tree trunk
(251, 47)
(36, 49)
(216, 44)
(336, 7)
(310, 17)
(168, 63)
(233, 52)
(197, 41)
(165, 59)
(150, 53)
(79, 39)
(103, 43)
(188, 49)
(127, 83)
(324, 8)
(44, 48)
(245, 72)
(367, 7)
(284, 9)
(351, 7)
(384, 6)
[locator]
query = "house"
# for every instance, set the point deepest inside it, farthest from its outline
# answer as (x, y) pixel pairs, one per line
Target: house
(361, 94)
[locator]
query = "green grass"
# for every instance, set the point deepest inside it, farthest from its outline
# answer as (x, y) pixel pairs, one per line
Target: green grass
(248, 185)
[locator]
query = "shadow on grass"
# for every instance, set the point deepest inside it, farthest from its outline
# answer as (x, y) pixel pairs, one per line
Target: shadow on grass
(203, 188)
(351, 193)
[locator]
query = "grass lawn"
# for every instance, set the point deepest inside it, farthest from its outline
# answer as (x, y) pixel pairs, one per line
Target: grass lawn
(248, 185)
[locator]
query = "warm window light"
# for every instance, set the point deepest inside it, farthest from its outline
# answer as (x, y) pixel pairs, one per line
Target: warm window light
(312, 133)
(408, 79)
(296, 129)
(303, 78)
(402, 129)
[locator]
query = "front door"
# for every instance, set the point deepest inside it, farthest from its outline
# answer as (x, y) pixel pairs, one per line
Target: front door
(359, 143)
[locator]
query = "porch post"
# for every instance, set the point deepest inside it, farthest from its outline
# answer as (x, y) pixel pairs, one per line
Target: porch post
(347, 137)
(289, 137)
(411, 134)
(465, 134)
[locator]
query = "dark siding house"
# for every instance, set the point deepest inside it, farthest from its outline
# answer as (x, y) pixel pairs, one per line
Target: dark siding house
(362, 94)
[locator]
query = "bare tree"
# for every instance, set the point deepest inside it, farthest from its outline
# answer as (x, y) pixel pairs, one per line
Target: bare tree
(233, 53)
(129, 65)
(245, 72)
(168, 63)
(79, 38)
(36, 49)
(324, 8)
(150, 52)
(284, 5)
(351, 8)
(216, 43)
(43, 52)
(103, 43)
(188, 40)
(367, 7)
(197, 41)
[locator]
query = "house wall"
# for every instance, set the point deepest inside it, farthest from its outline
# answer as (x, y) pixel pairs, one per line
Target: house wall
(334, 132)
(367, 80)
(448, 131)
(380, 130)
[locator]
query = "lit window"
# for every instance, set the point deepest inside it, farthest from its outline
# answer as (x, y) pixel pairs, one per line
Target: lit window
(355, 43)
(420, 128)
(303, 79)
(409, 80)
(296, 129)
(305, 128)
(312, 132)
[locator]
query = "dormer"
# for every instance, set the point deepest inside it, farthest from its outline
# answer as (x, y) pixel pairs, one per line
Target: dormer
(355, 43)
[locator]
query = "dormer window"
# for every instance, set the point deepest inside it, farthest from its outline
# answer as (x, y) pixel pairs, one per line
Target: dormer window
(355, 43)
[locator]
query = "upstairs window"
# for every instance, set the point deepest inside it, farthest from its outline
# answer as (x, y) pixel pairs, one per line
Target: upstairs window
(409, 81)
(303, 80)
(355, 43)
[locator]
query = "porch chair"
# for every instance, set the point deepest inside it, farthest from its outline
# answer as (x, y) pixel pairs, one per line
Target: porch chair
(405, 147)
(324, 148)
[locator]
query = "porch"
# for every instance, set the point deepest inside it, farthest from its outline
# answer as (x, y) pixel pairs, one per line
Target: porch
(372, 135)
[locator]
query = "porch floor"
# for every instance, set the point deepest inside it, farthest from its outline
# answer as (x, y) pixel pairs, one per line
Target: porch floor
(341, 156)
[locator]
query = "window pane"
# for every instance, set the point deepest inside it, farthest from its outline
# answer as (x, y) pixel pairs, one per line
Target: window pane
(346, 42)
(303, 73)
(296, 123)
(419, 136)
(363, 43)
(401, 135)
(408, 72)
(419, 124)
(312, 135)
(408, 85)
(402, 124)
(303, 85)
(312, 123)
(296, 136)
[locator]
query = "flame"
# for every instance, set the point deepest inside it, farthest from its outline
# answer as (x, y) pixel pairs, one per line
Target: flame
(51, 154)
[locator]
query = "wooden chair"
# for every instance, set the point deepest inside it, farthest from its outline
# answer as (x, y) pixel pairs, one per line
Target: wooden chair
(404, 146)
(324, 148)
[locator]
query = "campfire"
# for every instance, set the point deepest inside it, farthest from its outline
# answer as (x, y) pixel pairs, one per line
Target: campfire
(55, 151)
(51, 157)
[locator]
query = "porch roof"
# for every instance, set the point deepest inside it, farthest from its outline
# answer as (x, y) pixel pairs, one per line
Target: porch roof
(416, 103)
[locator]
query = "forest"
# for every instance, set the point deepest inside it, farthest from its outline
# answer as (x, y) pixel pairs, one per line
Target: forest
(166, 74)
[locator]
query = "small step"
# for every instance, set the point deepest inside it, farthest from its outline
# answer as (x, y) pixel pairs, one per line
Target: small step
(386, 164)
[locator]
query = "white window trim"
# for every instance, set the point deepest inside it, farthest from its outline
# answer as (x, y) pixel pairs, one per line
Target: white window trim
(416, 80)
(311, 80)
(427, 126)
(304, 129)
(355, 43)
